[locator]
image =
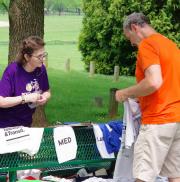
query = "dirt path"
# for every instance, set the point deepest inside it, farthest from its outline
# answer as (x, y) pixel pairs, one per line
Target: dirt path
(4, 24)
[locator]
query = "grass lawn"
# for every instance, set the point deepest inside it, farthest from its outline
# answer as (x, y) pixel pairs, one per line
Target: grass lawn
(73, 92)
(73, 96)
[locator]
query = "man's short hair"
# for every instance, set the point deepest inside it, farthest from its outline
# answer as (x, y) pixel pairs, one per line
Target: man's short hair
(135, 18)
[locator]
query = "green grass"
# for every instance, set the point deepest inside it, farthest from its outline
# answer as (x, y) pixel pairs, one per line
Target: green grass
(58, 54)
(73, 92)
(65, 28)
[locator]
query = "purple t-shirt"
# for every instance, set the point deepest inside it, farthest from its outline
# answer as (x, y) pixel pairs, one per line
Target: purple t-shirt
(14, 82)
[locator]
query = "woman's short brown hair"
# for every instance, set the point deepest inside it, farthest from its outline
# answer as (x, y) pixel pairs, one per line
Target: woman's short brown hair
(28, 46)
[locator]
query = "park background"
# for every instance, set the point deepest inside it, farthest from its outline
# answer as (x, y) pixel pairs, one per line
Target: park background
(74, 91)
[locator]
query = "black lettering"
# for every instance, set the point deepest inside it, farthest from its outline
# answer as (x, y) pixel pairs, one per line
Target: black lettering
(69, 139)
(64, 141)
(14, 132)
(100, 138)
(61, 142)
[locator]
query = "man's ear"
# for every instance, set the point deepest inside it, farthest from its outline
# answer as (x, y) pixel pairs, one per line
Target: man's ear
(134, 27)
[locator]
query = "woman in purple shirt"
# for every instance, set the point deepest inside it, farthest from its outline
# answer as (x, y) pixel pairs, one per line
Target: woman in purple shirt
(24, 84)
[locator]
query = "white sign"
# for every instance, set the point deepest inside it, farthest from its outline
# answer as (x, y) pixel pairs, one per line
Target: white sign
(65, 143)
(24, 139)
(14, 139)
(16, 134)
(100, 142)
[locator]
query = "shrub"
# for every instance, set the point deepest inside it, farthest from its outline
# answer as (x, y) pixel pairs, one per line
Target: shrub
(102, 39)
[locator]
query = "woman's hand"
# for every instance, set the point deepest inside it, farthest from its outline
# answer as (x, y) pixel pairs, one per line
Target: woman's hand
(32, 97)
(42, 100)
(44, 97)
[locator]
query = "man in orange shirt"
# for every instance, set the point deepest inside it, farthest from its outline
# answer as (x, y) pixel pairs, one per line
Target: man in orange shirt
(157, 149)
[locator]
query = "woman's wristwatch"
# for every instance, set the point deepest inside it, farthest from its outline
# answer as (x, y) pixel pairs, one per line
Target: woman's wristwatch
(23, 101)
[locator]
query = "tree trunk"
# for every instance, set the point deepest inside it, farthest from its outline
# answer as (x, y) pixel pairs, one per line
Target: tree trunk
(39, 118)
(26, 17)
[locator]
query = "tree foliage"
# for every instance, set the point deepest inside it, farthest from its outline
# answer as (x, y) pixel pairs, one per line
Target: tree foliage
(4, 5)
(102, 39)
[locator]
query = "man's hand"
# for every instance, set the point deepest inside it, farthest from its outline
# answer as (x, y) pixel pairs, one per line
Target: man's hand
(121, 95)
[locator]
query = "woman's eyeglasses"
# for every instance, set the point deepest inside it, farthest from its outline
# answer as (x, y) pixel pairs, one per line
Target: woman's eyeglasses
(42, 56)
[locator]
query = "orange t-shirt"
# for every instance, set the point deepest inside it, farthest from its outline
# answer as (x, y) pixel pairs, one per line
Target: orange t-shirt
(162, 106)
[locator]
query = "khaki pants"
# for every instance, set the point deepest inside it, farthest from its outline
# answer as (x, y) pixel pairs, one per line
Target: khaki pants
(157, 152)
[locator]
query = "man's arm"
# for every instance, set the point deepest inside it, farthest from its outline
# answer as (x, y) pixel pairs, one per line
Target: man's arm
(151, 83)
